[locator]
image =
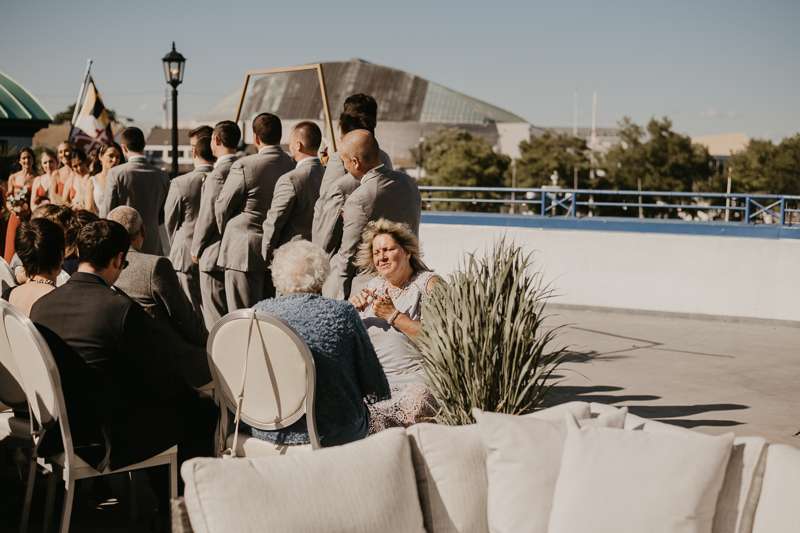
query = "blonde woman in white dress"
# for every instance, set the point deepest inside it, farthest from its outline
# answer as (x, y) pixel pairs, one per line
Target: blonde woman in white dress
(109, 155)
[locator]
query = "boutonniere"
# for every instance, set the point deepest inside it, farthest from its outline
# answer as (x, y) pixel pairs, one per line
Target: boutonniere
(205, 175)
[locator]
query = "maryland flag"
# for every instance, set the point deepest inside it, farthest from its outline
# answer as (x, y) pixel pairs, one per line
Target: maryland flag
(91, 127)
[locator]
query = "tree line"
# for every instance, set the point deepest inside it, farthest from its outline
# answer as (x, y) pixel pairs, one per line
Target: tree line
(661, 158)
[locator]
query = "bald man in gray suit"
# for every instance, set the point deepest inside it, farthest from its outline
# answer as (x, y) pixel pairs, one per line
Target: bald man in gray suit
(292, 210)
(383, 193)
(206, 241)
(180, 216)
(241, 209)
(139, 185)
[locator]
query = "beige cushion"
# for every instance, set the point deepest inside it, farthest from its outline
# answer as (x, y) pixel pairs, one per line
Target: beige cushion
(12, 425)
(741, 488)
(364, 486)
(252, 447)
(524, 455)
(779, 503)
(634, 481)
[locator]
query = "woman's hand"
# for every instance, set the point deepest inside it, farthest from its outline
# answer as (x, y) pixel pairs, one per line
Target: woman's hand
(360, 301)
(382, 307)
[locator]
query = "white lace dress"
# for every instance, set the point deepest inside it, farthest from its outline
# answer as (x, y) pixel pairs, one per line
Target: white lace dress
(411, 401)
(98, 194)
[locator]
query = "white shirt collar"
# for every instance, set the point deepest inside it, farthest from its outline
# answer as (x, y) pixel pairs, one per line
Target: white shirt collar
(269, 147)
(224, 158)
(307, 160)
(136, 156)
(376, 168)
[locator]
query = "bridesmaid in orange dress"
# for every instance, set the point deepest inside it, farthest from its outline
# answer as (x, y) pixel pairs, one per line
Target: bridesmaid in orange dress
(45, 186)
(64, 175)
(17, 182)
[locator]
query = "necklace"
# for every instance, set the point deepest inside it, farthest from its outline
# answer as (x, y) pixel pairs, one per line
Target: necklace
(42, 280)
(394, 293)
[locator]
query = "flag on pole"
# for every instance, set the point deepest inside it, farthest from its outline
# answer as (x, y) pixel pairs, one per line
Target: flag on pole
(91, 128)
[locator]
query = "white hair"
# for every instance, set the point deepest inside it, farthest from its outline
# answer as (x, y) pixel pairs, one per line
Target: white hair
(300, 266)
(129, 218)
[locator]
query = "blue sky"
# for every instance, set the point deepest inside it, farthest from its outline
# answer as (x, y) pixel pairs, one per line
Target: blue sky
(711, 67)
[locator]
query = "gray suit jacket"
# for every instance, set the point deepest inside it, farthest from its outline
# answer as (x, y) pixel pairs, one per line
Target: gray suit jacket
(242, 206)
(292, 210)
(337, 185)
(385, 194)
(151, 281)
(205, 244)
(142, 186)
(180, 215)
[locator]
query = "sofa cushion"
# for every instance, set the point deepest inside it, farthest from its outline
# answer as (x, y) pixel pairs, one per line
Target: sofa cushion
(634, 481)
(738, 497)
(524, 454)
(364, 486)
(247, 446)
(778, 509)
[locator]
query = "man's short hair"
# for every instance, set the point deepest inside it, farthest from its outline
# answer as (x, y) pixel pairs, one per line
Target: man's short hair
(101, 241)
(203, 149)
(229, 133)
(201, 131)
(129, 218)
(309, 134)
(361, 145)
(361, 104)
(133, 139)
(40, 246)
(349, 122)
(268, 128)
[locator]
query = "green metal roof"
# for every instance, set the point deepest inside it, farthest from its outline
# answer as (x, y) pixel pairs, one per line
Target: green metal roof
(17, 103)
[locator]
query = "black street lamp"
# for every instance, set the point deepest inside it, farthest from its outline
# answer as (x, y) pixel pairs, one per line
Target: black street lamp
(173, 70)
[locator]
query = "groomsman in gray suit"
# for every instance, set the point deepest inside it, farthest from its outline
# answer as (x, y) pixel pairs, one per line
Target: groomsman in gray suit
(327, 225)
(241, 209)
(296, 192)
(383, 193)
(139, 185)
(180, 215)
(206, 241)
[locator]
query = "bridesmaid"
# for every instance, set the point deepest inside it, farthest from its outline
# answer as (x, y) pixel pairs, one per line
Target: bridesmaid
(43, 186)
(18, 181)
(64, 175)
(109, 155)
(75, 188)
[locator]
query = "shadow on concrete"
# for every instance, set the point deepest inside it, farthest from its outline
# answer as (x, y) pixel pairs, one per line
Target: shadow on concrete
(563, 394)
(672, 411)
(700, 423)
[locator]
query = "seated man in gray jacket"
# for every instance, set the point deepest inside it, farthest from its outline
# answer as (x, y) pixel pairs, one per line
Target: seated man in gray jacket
(150, 280)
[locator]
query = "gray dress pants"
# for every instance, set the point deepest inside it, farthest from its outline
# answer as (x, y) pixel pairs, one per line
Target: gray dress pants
(190, 283)
(243, 289)
(212, 291)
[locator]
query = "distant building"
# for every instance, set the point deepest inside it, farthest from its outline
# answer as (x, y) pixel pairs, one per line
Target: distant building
(21, 115)
(409, 107)
(721, 147)
(606, 137)
(158, 149)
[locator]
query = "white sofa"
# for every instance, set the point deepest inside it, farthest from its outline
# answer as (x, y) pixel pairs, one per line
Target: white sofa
(434, 478)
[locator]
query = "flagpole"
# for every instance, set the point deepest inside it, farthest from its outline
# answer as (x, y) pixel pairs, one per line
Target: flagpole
(81, 94)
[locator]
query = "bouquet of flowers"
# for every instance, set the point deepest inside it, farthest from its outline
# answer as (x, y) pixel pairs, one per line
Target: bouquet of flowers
(17, 200)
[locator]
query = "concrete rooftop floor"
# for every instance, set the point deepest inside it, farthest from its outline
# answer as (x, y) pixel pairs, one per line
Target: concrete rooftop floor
(711, 376)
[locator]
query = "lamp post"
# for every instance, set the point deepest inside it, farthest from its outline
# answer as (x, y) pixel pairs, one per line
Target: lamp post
(173, 70)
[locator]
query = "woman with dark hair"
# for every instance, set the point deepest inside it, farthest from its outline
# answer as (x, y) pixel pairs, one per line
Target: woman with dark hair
(18, 196)
(45, 186)
(40, 246)
(109, 155)
(76, 185)
(65, 173)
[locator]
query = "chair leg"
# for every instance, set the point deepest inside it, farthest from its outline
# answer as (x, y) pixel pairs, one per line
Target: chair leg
(69, 494)
(26, 509)
(132, 503)
(173, 476)
(51, 496)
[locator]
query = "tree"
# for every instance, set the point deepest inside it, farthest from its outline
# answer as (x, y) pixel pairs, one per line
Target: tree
(457, 158)
(766, 168)
(65, 117)
(542, 155)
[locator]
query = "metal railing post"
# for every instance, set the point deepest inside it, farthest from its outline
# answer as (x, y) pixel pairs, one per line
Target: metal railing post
(544, 203)
(747, 209)
(573, 211)
(783, 211)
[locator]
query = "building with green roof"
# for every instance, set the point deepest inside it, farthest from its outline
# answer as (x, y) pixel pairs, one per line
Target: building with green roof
(21, 115)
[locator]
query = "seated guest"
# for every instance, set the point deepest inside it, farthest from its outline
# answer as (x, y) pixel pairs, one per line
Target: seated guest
(63, 216)
(40, 247)
(151, 281)
(390, 306)
(142, 407)
(348, 372)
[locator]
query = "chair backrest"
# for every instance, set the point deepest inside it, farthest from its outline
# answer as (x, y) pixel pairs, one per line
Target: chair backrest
(280, 382)
(40, 377)
(62, 278)
(11, 391)
(6, 276)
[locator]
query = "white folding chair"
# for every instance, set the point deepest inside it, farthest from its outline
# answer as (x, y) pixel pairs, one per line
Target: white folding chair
(6, 276)
(42, 385)
(261, 361)
(62, 278)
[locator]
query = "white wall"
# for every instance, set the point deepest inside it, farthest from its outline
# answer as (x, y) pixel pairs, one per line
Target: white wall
(725, 276)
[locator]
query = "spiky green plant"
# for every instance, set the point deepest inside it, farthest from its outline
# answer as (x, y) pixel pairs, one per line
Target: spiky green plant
(483, 343)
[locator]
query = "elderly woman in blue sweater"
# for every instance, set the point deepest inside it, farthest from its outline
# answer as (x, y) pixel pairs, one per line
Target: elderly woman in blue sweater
(349, 375)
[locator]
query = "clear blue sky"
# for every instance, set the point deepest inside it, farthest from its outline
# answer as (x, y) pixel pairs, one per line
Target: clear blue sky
(712, 67)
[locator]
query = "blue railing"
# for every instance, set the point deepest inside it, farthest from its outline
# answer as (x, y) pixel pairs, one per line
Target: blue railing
(772, 208)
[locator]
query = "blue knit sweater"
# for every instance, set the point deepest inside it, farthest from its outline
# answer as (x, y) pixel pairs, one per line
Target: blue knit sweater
(348, 371)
